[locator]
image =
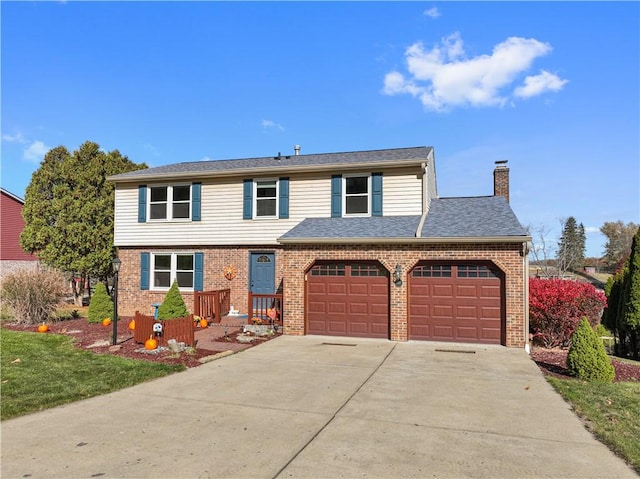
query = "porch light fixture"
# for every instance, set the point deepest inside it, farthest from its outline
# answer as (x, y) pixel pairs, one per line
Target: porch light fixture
(397, 276)
(115, 264)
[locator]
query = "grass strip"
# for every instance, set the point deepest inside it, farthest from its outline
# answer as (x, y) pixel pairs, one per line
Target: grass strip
(41, 371)
(611, 411)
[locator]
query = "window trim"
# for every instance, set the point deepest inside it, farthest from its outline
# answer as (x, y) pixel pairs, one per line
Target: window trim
(169, 217)
(276, 198)
(344, 194)
(172, 269)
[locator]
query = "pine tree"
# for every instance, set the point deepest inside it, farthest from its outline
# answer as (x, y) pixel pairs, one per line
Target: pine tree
(630, 318)
(68, 211)
(173, 305)
(101, 306)
(587, 358)
(571, 248)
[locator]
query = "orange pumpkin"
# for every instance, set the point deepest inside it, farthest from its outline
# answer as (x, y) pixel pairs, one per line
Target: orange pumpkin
(150, 344)
(43, 328)
(106, 321)
(204, 323)
(132, 324)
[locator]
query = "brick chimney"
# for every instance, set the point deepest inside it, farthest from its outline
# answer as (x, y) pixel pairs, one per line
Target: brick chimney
(501, 180)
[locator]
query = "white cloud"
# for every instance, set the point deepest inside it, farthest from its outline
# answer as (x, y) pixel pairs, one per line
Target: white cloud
(17, 138)
(206, 158)
(432, 12)
(538, 84)
(35, 152)
(591, 229)
(272, 124)
(443, 78)
(149, 148)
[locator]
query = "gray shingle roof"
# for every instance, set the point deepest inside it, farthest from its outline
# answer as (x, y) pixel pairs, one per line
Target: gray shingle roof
(370, 227)
(472, 218)
(271, 164)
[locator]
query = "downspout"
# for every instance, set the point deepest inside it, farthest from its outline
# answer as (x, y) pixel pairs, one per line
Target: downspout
(425, 203)
(525, 269)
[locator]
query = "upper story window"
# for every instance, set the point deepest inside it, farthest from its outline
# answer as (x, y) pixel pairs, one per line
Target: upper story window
(167, 267)
(357, 195)
(266, 198)
(170, 202)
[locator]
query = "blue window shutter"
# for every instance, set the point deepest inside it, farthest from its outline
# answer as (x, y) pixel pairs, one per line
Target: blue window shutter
(376, 194)
(247, 200)
(142, 203)
(196, 195)
(336, 196)
(144, 270)
(198, 271)
(284, 197)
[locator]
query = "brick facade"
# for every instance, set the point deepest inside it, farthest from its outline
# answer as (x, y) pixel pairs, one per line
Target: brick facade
(131, 298)
(507, 257)
(292, 262)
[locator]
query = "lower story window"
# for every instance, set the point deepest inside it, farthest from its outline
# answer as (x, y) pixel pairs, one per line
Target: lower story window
(167, 267)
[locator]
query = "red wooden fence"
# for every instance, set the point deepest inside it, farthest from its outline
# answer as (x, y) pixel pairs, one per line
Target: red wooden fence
(180, 329)
(260, 305)
(212, 305)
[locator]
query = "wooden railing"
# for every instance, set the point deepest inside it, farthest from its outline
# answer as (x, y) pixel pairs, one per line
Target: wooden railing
(212, 305)
(180, 329)
(266, 307)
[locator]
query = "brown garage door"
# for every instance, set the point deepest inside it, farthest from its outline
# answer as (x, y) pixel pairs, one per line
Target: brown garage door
(348, 299)
(456, 302)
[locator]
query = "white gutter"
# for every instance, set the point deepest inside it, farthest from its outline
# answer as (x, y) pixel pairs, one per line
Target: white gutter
(397, 240)
(256, 171)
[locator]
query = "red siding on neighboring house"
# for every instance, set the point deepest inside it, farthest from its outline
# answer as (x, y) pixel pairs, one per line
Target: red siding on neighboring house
(11, 226)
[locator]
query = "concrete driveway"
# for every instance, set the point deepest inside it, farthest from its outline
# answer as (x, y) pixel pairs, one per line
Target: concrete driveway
(321, 407)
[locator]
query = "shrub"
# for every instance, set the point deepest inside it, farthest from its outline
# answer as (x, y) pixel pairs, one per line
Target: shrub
(587, 358)
(601, 331)
(173, 305)
(32, 296)
(101, 305)
(556, 307)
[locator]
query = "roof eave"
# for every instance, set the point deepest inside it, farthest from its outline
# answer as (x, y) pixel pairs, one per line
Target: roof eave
(422, 240)
(266, 170)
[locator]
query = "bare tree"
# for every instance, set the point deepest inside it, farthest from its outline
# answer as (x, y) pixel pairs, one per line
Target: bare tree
(541, 250)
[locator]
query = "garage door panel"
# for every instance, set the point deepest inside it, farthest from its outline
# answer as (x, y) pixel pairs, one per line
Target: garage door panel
(466, 291)
(355, 304)
(358, 308)
(336, 288)
(465, 306)
(441, 291)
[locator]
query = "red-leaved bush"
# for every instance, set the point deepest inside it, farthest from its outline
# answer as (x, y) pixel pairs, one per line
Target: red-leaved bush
(556, 307)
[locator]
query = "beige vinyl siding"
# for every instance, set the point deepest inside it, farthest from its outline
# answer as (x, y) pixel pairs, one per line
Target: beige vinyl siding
(221, 212)
(401, 194)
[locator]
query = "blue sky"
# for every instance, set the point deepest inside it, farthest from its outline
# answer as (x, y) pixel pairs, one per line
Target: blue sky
(551, 87)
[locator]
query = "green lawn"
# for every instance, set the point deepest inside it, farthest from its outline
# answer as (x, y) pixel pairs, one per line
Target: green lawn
(612, 412)
(41, 371)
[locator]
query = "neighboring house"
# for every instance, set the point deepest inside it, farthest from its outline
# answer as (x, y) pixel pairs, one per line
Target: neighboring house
(358, 243)
(12, 257)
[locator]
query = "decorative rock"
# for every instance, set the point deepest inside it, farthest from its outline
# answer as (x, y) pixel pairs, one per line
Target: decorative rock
(258, 329)
(242, 338)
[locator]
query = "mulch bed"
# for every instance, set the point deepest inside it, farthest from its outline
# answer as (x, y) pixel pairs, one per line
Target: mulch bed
(553, 362)
(96, 337)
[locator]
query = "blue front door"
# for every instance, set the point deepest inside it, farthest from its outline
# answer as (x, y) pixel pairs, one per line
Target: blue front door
(262, 274)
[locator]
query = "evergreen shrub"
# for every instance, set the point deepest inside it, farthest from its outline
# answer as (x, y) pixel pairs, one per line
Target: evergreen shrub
(101, 305)
(173, 305)
(587, 358)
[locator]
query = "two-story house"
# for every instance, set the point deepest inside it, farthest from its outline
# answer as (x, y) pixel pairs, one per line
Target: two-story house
(12, 256)
(359, 244)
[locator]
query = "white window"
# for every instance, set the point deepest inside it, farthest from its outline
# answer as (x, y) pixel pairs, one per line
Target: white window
(266, 198)
(167, 267)
(356, 199)
(171, 202)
